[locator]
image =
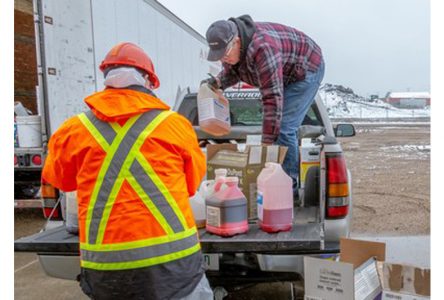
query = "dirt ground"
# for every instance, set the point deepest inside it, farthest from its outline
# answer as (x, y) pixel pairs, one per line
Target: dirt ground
(390, 169)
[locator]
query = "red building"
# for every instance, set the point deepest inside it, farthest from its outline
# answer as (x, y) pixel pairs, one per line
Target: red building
(410, 100)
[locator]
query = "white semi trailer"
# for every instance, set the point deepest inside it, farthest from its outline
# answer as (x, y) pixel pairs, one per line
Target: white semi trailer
(73, 37)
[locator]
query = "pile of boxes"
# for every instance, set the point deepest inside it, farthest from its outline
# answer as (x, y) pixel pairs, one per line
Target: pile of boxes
(361, 273)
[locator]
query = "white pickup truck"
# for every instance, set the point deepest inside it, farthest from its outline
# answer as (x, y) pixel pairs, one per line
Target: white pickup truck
(320, 219)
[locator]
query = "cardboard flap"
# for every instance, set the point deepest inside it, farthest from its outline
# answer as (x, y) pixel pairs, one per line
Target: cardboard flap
(357, 252)
(213, 149)
(228, 158)
(406, 279)
(261, 154)
(367, 284)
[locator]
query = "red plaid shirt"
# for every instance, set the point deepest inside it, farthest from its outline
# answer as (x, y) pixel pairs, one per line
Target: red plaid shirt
(277, 56)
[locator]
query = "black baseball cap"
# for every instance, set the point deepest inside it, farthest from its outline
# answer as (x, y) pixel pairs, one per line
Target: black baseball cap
(219, 35)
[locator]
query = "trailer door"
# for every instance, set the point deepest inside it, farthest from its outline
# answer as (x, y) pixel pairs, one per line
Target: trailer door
(65, 54)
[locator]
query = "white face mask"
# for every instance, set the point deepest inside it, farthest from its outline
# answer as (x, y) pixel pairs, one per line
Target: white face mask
(125, 76)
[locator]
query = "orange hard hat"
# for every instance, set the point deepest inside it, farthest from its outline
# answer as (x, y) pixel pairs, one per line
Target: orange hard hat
(129, 54)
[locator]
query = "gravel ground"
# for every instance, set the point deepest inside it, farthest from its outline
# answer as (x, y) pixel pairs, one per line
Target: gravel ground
(391, 180)
(391, 196)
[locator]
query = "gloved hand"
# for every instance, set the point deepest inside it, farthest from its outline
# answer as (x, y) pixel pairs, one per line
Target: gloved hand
(212, 82)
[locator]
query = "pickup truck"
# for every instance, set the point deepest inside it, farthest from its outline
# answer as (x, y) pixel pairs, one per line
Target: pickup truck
(320, 218)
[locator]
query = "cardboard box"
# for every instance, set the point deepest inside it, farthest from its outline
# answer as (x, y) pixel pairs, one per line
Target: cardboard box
(404, 281)
(325, 279)
(245, 165)
(341, 280)
(362, 273)
(330, 280)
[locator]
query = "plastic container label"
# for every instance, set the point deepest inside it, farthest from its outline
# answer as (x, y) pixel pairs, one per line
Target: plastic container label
(210, 108)
(213, 216)
(260, 208)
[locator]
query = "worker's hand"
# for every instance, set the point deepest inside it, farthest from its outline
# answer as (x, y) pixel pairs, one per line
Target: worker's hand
(219, 93)
(213, 82)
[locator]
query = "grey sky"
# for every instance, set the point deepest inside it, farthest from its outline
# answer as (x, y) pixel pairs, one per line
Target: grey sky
(372, 46)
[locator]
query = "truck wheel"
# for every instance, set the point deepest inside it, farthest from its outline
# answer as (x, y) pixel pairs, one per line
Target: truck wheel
(311, 189)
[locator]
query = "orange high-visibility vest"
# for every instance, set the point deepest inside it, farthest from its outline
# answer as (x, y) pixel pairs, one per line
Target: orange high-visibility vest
(133, 177)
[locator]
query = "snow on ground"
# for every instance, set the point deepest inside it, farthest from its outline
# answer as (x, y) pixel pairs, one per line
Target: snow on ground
(342, 102)
(406, 151)
(408, 148)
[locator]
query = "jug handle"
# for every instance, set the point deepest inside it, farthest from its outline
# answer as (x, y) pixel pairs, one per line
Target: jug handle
(221, 97)
(218, 184)
(205, 183)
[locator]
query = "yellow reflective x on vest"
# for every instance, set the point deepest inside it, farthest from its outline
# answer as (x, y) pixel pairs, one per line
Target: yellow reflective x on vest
(123, 161)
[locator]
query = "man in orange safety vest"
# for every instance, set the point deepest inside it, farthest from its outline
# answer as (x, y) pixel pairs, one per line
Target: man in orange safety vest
(134, 164)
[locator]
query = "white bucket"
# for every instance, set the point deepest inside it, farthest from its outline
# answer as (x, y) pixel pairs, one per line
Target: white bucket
(29, 131)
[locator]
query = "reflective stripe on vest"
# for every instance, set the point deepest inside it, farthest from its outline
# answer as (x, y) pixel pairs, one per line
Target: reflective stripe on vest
(123, 161)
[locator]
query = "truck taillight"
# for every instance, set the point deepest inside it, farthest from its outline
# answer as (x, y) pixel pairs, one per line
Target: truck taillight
(49, 196)
(37, 160)
(48, 191)
(48, 207)
(338, 190)
(15, 160)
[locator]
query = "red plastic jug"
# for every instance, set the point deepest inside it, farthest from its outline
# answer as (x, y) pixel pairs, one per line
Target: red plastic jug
(274, 199)
(227, 208)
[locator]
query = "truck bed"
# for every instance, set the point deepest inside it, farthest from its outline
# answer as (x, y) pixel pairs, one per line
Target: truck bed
(302, 239)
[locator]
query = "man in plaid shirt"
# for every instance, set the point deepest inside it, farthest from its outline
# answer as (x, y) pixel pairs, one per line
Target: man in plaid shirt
(283, 62)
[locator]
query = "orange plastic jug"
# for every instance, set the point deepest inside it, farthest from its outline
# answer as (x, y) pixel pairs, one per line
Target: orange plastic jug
(214, 111)
(227, 208)
(274, 199)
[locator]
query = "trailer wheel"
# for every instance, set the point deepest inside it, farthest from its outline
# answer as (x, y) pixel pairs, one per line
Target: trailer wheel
(311, 189)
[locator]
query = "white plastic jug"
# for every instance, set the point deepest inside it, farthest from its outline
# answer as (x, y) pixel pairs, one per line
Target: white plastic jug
(72, 220)
(274, 199)
(205, 191)
(214, 111)
(197, 203)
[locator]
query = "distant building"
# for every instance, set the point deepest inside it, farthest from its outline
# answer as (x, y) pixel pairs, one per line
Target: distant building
(410, 100)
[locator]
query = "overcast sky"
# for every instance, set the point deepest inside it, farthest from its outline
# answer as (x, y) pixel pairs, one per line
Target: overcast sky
(371, 46)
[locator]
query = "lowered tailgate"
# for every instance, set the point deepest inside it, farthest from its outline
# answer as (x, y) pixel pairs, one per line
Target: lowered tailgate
(304, 238)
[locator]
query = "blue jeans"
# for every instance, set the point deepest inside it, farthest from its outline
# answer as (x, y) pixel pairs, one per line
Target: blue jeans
(298, 97)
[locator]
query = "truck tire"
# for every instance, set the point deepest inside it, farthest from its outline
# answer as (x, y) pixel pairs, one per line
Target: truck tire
(311, 189)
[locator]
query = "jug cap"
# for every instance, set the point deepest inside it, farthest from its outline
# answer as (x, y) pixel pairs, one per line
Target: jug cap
(220, 172)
